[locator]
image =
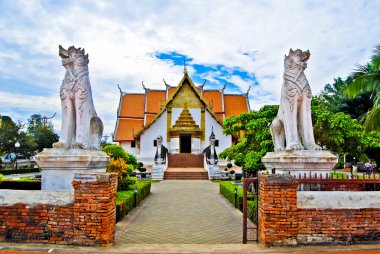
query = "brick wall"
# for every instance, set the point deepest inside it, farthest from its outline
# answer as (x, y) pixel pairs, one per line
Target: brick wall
(278, 222)
(281, 222)
(339, 226)
(88, 220)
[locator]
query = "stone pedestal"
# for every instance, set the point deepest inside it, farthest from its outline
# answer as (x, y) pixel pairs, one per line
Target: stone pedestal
(300, 162)
(59, 166)
(158, 172)
(214, 172)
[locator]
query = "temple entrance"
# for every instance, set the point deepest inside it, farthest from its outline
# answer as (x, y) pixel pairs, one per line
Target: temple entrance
(185, 143)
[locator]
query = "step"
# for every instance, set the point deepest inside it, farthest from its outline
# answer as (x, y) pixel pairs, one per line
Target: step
(183, 175)
(185, 160)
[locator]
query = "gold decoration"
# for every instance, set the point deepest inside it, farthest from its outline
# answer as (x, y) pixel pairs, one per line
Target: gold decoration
(185, 125)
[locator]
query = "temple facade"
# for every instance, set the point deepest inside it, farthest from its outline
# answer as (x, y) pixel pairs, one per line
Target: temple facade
(184, 116)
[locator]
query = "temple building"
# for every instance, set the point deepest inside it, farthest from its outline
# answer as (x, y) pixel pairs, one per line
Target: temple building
(184, 116)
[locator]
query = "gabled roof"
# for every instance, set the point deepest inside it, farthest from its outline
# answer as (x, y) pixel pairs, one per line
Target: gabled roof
(132, 106)
(235, 104)
(178, 88)
(138, 110)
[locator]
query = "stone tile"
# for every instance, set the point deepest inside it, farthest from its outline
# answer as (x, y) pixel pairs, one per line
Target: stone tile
(182, 212)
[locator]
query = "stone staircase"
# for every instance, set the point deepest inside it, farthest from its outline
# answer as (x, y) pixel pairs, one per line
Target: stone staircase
(185, 160)
(185, 166)
(185, 174)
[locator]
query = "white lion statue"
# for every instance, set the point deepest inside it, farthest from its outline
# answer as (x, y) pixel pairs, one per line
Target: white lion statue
(292, 129)
(81, 127)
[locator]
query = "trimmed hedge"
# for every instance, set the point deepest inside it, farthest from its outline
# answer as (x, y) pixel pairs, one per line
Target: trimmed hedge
(125, 200)
(19, 171)
(20, 184)
(227, 190)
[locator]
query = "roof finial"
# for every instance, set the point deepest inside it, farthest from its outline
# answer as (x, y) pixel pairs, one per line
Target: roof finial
(166, 84)
(184, 67)
(201, 86)
(224, 87)
(118, 86)
(142, 83)
(249, 88)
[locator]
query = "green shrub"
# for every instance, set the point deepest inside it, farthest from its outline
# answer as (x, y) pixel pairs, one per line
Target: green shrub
(142, 169)
(18, 171)
(22, 184)
(125, 200)
(227, 189)
(1, 177)
(126, 182)
(116, 152)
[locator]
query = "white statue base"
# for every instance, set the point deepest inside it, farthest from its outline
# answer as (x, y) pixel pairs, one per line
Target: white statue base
(158, 172)
(214, 172)
(300, 162)
(59, 166)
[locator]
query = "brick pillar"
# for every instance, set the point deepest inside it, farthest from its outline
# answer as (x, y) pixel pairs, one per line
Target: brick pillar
(94, 208)
(278, 219)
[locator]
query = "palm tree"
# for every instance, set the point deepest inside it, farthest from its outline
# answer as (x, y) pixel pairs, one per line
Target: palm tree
(366, 79)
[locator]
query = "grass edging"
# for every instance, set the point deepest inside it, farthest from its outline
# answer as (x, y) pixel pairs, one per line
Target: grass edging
(125, 200)
(227, 189)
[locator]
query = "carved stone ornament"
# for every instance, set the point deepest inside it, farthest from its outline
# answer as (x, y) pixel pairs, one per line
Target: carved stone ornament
(162, 151)
(292, 129)
(81, 127)
(210, 151)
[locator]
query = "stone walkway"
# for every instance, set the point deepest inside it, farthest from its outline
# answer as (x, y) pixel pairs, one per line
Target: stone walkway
(182, 212)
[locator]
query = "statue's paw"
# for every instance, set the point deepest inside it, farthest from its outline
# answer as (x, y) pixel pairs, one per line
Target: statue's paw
(59, 145)
(313, 147)
(279, 149)
(78, 145)
(293, 147)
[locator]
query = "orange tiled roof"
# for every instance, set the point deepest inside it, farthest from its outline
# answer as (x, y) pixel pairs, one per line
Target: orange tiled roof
(234, 105)
(214, 98)
(127, 128)
(171, 91)
(149, 119)
(154, 100)
(132, 105)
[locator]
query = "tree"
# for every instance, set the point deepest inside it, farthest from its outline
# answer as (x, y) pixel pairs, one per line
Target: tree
(10, 133)
(366, 79)
(340, 133)
(44, 136)
(336, 101)
(255, 140)
(34, 121)
(337, 132)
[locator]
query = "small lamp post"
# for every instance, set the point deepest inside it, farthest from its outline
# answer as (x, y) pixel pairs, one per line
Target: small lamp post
(135, 196)
(17, 145)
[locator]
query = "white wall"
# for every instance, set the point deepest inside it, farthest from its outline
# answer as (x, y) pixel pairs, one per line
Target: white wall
(35, 197)
(224, 141)
(147, 150)
(338, 199)
(131, 150)
(174, 145)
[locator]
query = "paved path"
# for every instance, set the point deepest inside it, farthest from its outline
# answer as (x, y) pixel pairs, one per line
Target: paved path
(182, 211)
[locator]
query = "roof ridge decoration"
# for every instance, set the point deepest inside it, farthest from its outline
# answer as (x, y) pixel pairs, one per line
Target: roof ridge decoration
(180, 84)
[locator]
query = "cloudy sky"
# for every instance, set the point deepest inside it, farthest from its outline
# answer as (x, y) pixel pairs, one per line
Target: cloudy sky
(242, 43)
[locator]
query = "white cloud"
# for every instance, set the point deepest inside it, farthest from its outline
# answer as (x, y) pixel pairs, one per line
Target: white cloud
(121, 36)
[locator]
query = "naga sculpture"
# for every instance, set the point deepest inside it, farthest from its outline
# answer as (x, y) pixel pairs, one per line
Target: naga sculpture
(81, 127)
(162, 151)
(210, 151)
(292, 129)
